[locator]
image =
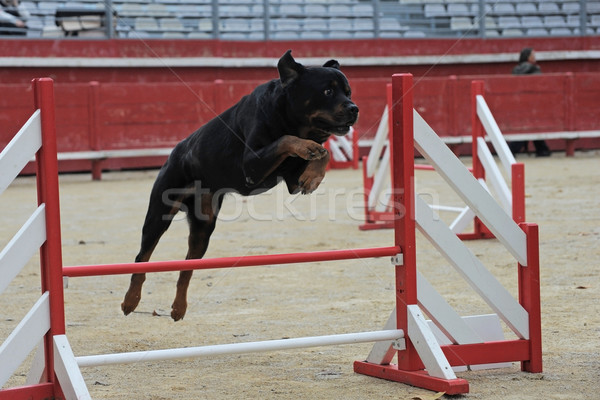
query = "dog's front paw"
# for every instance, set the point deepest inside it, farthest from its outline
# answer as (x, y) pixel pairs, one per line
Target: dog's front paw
(130, 302)
(310, 180)
(304, 148)
(178, 310)
(314, 151)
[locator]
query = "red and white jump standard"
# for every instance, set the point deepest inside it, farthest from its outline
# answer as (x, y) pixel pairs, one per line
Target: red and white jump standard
(421, 362)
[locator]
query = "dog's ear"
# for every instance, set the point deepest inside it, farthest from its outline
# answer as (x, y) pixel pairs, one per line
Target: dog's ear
(289, 69)
(332, 64)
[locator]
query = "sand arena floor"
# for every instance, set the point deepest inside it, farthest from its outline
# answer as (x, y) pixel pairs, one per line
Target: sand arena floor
(101, 223)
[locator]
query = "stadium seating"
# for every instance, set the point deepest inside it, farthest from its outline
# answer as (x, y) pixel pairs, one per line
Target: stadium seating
(314, 19)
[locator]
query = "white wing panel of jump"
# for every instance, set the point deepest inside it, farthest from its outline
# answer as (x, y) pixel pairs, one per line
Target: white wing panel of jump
(494, 133)
(467, 187)
(20, 150)
(380, 182)
(443, 315)
(341, 146)
(24, 338)
(487, 326)
(494, 175)
(427, 345)
(380, 141)
(71, 381)
(336, 152)
(239, 348)
(22, 246)
(383, 352)
(471, 269)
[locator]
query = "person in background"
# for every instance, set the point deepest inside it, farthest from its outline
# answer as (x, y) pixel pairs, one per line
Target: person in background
(12, 17)
(527, 66)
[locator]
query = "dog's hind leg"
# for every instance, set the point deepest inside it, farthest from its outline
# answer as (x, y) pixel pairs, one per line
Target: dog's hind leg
(202, 221)
(161, 210)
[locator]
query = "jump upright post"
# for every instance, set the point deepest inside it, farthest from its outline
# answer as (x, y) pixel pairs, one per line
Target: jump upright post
(53, 373)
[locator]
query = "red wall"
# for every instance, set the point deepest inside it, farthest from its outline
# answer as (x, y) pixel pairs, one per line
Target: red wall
(158, 106)
(438, 51)
(133, 115)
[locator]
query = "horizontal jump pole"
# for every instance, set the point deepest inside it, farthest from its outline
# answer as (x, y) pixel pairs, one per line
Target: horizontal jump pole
(229, 262)
(238, 348)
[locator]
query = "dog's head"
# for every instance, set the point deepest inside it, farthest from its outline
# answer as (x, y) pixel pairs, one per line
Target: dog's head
(319, 97)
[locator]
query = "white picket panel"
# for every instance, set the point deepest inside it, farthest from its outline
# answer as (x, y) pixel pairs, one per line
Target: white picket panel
(345, 142)
(443, 315)
(336, 152)
(382, 353)
(427, 345)
(22, 246)
(20, 150)
(471, 269)
(487, 326)
(463, 220)
(69, 376)
(495, 135)
(467, 187)
(380, 182)
(24, 337)
(494, 175)
(381, 140)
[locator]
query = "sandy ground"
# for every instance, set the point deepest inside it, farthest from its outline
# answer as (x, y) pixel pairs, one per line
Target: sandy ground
(101, 223)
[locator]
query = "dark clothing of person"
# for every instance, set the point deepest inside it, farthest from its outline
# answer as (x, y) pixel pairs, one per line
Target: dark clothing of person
(526, 68)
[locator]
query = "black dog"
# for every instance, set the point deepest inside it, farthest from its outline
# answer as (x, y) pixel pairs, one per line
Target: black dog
(275, 133)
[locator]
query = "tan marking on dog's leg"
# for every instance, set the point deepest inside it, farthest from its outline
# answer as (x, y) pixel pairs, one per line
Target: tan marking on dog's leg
(134, 293)
(179, 306)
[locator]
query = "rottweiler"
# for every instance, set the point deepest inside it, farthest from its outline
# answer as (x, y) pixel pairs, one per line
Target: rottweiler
(275, 133)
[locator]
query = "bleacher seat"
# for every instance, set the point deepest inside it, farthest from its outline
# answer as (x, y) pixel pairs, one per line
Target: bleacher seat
(560, 32)
(146, 24)
(435, 10)
(461, 23)
(571, 8)
(503, 8)
(340, 10)
(459, 10)
(507, 22)
(315, 10)
(532, 21)
(362, 10)
(526, 8)
(555, 21)
(537, 32)
(548, 8)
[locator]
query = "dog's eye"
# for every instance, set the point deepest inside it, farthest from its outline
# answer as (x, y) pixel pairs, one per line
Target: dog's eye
(328, 92)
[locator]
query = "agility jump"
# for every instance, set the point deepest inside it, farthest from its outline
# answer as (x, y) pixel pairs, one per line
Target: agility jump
(422, 361)
(377, 180)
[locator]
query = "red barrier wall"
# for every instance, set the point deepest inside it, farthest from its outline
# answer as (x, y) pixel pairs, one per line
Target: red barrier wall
(98, 116)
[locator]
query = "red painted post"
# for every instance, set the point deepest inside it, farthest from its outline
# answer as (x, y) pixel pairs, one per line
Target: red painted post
(529, 297)
(477, 131)
(517, 172)
(47, 187)
(453, 110)
(402, 167)
(94, 137)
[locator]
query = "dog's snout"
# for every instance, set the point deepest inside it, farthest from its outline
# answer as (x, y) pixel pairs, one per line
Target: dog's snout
(352, 108)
